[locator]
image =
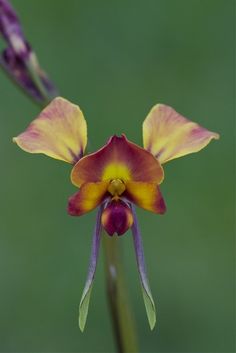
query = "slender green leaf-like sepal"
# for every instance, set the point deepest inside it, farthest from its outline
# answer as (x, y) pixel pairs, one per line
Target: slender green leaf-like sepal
(147, 295)
(84, 303)
(150, 307)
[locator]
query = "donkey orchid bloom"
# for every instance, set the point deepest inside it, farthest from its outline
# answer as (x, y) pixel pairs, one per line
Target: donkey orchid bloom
(116, 177)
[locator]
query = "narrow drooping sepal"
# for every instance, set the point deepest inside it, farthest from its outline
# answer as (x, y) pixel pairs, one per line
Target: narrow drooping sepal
(87, 198)
(168, 135)
(117, 217)
(60, 132)
(84, 303)
(118, 159)
(147, 295)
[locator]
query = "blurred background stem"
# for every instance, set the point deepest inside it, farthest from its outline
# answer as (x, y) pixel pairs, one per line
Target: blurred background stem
(118, 300)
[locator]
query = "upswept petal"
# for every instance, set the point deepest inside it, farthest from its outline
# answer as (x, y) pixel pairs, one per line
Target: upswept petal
(84, 303)
(168, 135)
(145, 195)
(118, 159)
(87, 198)
(60, 132)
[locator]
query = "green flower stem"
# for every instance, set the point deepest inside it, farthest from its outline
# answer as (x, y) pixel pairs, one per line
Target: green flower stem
(119, 305)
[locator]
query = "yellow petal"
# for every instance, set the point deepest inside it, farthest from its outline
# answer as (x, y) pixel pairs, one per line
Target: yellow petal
(87, 198)
(60, 132)
(145, 195)
(168, 135)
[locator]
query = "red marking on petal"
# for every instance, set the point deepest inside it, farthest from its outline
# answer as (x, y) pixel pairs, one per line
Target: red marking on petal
(118, 159)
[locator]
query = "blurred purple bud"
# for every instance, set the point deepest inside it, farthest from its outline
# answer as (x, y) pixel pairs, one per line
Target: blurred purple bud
(10, 29)
(18, 59)
(19, 72)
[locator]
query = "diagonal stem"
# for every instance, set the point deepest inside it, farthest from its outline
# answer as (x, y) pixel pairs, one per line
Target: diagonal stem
(119, 305)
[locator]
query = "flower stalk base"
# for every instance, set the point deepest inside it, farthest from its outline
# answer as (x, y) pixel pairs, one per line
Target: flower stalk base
(119, 305)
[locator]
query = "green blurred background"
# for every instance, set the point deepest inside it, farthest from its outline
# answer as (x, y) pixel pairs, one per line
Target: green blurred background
(116, 59)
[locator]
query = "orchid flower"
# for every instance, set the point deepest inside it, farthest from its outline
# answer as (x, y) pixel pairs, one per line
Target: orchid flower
(117, 177)
(19, 60)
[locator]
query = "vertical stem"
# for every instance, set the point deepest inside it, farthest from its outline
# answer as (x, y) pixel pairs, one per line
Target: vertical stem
(119, 305)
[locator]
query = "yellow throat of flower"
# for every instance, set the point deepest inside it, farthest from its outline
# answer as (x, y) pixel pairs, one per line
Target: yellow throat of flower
(116, 188)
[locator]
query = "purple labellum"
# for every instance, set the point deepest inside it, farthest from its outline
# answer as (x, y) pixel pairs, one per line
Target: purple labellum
(117, 217)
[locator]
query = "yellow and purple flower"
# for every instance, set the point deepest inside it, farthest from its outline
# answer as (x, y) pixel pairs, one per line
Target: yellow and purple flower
(118, 176)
